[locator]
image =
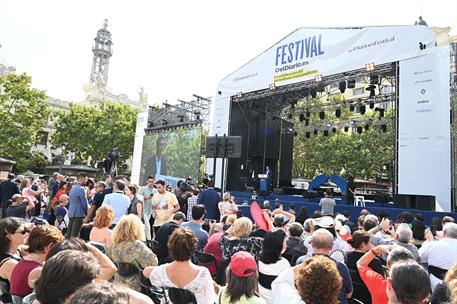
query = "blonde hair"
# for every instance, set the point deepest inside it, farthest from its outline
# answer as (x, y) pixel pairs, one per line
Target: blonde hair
(227, 196)
(104, 217)
(242, 227)
(129, 228)
(451, 280)
(231, 218)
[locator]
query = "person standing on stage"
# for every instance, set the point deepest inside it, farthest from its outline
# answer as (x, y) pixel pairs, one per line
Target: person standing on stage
(165, 204)
(269, 174)
(156, 164)
(327, 203)
(148, 192)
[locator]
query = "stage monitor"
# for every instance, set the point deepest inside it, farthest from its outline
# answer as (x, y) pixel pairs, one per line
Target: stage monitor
(171, 155)
(216, 148)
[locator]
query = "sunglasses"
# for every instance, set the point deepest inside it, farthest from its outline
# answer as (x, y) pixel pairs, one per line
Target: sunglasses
(23, 232)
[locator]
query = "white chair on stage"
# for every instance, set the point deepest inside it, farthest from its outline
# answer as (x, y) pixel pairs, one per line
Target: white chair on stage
(359, 201)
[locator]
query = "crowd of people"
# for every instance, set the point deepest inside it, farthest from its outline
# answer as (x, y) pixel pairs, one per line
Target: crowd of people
(76, 240)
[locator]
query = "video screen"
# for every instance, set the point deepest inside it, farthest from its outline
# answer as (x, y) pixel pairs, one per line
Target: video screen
(171, 155)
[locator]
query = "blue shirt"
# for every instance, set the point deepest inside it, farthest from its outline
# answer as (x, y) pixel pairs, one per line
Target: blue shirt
(120, 203)
(78, 202)
(210, 198)
(158, 165)
(201, 234)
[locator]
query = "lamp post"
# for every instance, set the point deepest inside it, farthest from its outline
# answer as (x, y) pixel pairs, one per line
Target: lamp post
(63, 155)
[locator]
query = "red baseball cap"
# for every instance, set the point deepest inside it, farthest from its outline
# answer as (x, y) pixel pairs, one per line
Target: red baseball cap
(243, 264)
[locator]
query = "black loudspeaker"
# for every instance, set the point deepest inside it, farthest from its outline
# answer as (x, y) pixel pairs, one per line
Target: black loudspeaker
(404, 201)
(426, 202)
(277, 191)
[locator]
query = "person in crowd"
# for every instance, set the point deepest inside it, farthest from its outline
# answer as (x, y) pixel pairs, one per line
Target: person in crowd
(198, 214)
(148, 192)
(210, 199)
(109, 184)
(212, 247)
(279, 211)
(164, 233)
(78, 206)
(242, 281)
(157, 163)
(13, 234)
(440, 255)
(271, 263)
(418, 227)
(7, 189)
(404, 239)
(227, 206)
(20, 207)
(295, 247)
(316, 280)
(375, 282)
(61, 213)
(127, 247)
(327, 203)
(108, 293)
(302, 216)
(53, 184)
(361, 244)
(381, 232)
(29, 193)
(65, 273)
(408, 283)
(182, 273)
(100, 235)
(136, 202)
(446, 219)
(118, 200)
(446, 291)
(40, 240)
(192, 201)
(165, 204)
(96, 202)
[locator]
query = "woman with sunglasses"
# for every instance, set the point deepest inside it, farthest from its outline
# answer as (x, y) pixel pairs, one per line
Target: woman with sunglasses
(12, 235)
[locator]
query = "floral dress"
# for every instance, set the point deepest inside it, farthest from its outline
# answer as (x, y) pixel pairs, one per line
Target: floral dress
(227, 208)
(133, 252)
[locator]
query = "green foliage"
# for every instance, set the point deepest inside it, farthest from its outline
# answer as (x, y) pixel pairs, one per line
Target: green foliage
(36, 162)
(93, 131)
(23, 111)
(360, 155)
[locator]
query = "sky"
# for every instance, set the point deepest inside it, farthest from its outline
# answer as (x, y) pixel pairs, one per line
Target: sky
(175, 48)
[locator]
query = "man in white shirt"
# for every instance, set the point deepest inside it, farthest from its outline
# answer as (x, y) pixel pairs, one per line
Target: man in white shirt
(118, 200)
(442, 254)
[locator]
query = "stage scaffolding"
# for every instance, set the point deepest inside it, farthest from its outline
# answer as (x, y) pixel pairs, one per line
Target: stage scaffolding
(453, 101)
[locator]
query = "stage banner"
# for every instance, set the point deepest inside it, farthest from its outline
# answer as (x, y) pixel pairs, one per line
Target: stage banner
(424, 156)
(141, 124)
(171, 155)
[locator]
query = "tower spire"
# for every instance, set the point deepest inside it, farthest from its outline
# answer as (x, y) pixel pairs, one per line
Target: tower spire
(102, 50)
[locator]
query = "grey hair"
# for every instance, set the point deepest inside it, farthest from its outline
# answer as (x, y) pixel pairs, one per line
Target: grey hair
(404, 233)
(322, 239)
(450, 229)
(399, 254)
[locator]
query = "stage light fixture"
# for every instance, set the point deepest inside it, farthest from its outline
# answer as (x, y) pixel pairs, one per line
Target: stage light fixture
(322, 115)
(372, 105)
(295, 134)
(346, 128)
(338, 113)
(290, 116)
(316, 132)
(181, 118)
(272, 86)
(383, 128)
(219, 93)
(367, 127)
(308, 114)
(370, 67)
(305, 92)
(374, 79)
(381, 113)
(321, 87)
(351, 108)
(313, 92)
(307, 122)
(325, 133)
(362, 109)
(359, 130)
(318, 78)
(302, 117)
(334, 130)
(351, 84)
(239, 94)
(307, 135)
(342, 86)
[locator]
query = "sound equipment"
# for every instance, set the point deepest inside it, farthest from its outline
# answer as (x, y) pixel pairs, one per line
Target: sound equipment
(422, 202)
(426, 202)
(404, 201)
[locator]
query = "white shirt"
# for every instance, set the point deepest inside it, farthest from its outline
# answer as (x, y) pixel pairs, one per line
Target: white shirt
(442, 254)
(284, 291)
(274, 270)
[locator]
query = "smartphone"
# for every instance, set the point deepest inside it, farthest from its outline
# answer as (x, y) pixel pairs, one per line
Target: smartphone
(433, 229)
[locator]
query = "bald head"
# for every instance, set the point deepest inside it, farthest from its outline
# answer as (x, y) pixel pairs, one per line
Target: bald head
(450, 230)
(322, 240)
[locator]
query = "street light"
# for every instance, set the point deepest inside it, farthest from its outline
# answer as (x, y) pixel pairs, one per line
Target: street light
(62, 156)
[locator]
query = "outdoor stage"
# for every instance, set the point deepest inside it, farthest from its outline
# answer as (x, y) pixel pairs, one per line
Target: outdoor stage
(313, 204)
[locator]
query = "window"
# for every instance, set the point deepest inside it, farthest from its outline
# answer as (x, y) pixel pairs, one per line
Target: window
(387, 89)
(42, 138)
(358, 91)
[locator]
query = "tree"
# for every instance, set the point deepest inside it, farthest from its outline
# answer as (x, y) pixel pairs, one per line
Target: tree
(93, 131)
(23, 111)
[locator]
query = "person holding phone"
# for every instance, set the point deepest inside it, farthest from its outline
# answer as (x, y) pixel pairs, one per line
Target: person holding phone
(20, 207)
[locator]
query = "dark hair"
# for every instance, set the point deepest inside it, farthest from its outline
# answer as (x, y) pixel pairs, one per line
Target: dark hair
(103, 184)
(182, 244)
(292, 206)
(383, 214)
(407, 217)
(42, 236)
(317, 214)
(240, 286)
(277, 205)
(272, 246)
(101, 293)
(399, 254)
(198, 211)
(195, 191)
(436, 221)
(159, 139)
(65, 273)
(160, 182)
(150, 177)
(179, 216)
(370, 222)
(10, 176)
(120, 185)
(418, 229)
(296, 229)
(360, 220)
(329, 192)
(71, 244)
(346, 213)
(358, 238)
(8, 225)
(408, 290)
(82, 174)
(133, 189)
(304, 211)
(419, 217)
